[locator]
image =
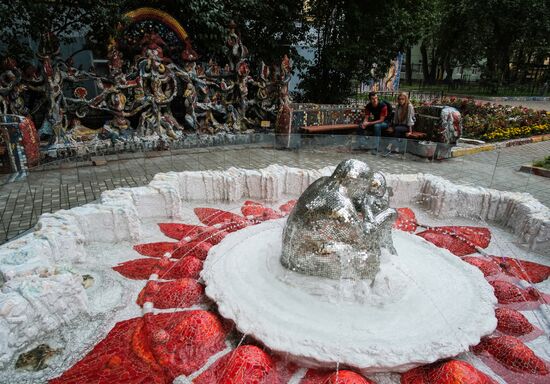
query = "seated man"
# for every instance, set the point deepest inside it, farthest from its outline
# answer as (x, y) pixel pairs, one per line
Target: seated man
(377, 116)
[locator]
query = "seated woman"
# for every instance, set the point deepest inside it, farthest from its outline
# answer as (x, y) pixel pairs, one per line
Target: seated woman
(403, 118)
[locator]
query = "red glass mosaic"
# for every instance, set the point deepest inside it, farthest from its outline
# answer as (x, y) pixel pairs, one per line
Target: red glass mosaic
(229, 221)
(406, 220)
(341, 377)
(288, 206)
(113, 361)
(159, 249)
(513, 354)
(508, 293)
(522, 269)
(198, 249)
(488, 266)
(256, 211)
(142, 269)
(512, 322)
(180, 293)
(446, 372)
(179, 231)
(246, 364)
(460, 241)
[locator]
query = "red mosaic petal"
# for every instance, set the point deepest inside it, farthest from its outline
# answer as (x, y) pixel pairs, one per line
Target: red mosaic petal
(156, 249)
(181, 342)
(198, 249)
(212, 216)
(508, 293)
(252, 208)
(246, 364)
(113, 361)
(211, 235)
(288, 206)
(406, 220)
(522, 269)
(446, 372)
(256, 211)
(512, 322)
(180, 293)
(513, 354)
(460, 241)
(179, 231)
(188, 266)
(486, 265)
(142, 269)
(341, 377)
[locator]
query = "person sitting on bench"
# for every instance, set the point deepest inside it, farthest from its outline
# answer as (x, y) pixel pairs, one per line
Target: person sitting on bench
(403, 119)
(377, 116)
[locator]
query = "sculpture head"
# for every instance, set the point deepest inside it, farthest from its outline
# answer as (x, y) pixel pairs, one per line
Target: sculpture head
(355, 175)
(340, 225)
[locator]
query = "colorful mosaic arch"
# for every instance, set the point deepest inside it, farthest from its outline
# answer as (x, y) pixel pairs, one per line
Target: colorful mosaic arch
(147, 13)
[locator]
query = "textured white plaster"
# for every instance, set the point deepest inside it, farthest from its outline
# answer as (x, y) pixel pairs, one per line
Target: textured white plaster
(409, 316)
(33, 305)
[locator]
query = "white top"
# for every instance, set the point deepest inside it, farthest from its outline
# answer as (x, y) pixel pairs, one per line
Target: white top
(409, 116)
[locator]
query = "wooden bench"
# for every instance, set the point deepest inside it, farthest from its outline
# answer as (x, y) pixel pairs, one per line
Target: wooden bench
(328, 128)
(415, 135)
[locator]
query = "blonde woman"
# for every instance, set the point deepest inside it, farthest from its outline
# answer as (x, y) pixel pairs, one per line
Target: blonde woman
(403, 118)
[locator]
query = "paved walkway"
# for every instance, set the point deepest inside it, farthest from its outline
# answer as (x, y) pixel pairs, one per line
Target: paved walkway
(67, 186)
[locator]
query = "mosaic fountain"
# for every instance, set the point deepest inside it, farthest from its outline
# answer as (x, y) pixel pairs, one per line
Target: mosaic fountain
(324, 276)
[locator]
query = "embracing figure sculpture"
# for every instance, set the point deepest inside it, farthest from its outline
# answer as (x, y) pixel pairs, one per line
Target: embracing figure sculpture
(340, 225)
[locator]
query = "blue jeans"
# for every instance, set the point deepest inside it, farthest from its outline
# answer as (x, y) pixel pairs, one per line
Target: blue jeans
(376, 128)
(377, 132)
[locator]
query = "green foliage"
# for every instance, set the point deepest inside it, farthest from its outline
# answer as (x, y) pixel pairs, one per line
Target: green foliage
(491, 122)
(269, 29)
(494, 32)
(24, 21)
(544, 163)
(355, 41)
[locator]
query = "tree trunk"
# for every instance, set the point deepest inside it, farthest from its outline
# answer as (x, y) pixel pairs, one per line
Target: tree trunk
(425, 68)
(448, 69)
(433, 67)
(408, 65)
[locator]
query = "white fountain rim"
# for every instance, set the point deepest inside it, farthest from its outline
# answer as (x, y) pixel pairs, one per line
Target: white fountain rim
(449, 307)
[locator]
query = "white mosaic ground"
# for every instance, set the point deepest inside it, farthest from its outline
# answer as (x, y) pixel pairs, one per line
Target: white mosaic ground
(42, 299)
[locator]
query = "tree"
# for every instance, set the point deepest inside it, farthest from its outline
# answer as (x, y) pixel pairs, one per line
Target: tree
(24, 21)
(269, 29)
(356, 41)
(497, 32)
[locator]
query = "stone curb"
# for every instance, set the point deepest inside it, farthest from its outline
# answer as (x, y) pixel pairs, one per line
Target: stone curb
(458, 152)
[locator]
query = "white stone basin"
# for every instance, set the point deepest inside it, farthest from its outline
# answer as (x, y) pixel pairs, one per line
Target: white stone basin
(426, 304)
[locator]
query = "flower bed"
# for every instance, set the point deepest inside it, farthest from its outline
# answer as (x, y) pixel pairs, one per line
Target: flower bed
(491, 122)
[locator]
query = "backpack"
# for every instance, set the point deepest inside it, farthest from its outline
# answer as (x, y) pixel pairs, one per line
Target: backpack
(390, 110)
